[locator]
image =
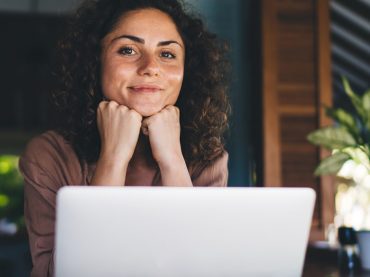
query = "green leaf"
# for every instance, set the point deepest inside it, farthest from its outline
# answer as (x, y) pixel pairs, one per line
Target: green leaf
(332, 164)
(340, 116)
(366, 149)
(332, 138)
(366, 104)
(355, 99)
(366, 101)
(345, 119)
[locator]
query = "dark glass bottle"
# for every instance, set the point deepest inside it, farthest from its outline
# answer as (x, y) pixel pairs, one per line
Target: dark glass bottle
(348, 258)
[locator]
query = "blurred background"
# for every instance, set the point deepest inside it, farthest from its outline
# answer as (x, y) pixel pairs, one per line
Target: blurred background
(287, 56)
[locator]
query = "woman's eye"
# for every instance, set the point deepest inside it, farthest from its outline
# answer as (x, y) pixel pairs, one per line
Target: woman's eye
(168, 55)
(127, 51)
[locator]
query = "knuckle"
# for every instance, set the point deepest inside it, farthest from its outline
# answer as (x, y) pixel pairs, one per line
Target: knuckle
(102, 104)
(122, 108)
(112, 104)
(132, 113)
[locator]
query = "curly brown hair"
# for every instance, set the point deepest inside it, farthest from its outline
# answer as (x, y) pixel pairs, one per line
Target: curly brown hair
(203, 99)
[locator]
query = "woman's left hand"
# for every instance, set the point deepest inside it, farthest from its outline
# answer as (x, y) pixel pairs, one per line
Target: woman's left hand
(163, 130)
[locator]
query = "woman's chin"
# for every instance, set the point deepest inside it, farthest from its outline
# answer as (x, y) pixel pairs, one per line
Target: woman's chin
(146, 112)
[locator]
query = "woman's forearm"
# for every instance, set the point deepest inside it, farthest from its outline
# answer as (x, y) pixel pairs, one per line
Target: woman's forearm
(109, 172)
(175, 173)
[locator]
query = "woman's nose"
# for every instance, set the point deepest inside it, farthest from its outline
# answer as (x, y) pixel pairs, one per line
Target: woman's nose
(148, 66)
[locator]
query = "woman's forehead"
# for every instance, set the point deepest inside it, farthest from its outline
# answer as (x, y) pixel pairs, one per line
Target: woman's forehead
(148, 24)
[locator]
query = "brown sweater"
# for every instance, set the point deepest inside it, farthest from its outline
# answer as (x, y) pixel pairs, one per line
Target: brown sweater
(49, 163)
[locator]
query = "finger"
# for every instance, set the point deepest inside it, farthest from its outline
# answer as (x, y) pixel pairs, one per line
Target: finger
(112, 104)
(144, 127)
(177, 110)
(168, 108)
(136, 114)
(123, 108)
(172, 108)
(145, 131)
(102, 104)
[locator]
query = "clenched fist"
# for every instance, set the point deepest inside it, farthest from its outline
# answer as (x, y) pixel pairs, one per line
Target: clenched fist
(163, 130)
(119, 129)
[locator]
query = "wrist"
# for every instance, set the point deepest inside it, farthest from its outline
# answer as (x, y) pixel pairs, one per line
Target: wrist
(109, 172)
(175, 173)
(172, 163)
(121, 156)
(114, 162)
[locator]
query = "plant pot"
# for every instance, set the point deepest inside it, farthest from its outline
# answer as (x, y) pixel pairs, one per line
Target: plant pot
(352, 204)
(363, 238)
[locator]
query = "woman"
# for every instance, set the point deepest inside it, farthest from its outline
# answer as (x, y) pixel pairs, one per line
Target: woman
(142, 98)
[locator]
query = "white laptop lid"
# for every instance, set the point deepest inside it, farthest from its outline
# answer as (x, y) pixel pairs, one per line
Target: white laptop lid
(157, 231)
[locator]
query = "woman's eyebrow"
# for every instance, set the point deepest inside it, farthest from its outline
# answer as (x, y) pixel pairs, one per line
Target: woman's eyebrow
(167, 42)
(134, 38)
(142, 41)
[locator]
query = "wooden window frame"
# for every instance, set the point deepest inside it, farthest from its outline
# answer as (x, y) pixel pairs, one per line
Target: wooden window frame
(272, 149)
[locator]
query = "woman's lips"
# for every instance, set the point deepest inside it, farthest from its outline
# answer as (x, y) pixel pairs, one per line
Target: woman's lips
(145, 88)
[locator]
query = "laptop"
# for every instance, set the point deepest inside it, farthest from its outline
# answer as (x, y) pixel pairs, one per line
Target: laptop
(178, 231)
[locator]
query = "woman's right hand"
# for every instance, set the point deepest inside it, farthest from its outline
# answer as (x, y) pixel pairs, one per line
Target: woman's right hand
(119, 129)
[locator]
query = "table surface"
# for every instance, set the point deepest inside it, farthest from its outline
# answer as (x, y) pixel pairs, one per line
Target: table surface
(322, 262)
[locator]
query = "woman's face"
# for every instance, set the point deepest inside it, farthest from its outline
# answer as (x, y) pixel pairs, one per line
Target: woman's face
(143, 61)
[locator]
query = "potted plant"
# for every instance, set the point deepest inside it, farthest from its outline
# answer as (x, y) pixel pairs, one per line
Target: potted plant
(349, 142)
(11, 196)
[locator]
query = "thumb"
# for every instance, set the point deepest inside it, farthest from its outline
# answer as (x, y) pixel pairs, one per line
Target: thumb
(144, 127)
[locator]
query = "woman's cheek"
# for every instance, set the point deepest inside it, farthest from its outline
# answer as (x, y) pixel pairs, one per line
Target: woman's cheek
(176, 75)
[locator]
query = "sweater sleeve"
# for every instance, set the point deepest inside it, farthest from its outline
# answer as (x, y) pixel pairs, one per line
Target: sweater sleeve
(46, 166)
(214, 175)
(39, 212)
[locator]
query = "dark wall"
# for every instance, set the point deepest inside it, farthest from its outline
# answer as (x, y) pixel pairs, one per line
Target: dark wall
(238, 22)
(28, 43)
